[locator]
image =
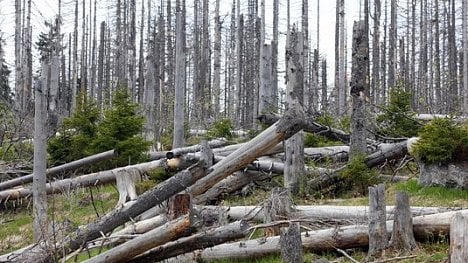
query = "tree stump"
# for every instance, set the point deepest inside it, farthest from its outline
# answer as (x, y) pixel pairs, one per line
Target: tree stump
(125, 181)
(178, 205)
(402, 235)
(278, 207)
(291, 243)
(378, 239)
(459, 239)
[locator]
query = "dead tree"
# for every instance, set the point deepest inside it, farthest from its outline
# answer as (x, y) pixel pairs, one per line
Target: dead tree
(179, 102)
(294, 147)
(402, 234)
(378, 240)
(291, 244)
(458, 244)
(359, 85)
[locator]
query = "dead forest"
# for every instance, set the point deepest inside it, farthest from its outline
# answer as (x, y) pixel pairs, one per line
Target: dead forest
(185, 111)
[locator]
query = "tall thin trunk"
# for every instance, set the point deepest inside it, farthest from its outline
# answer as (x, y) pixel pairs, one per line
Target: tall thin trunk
(437, 84)
(197, 92)
(74, 81)
(217, 63)
(18, 52)
(294, 146)
(141, 58)
(274, 54)
(132, 48)
(423, 63)
(309, 88)
(84, 56)
(465, 58)
(453, 97)
(205, 63)
(92, 82)
(324, 85)
(342, 63)
(375, 82)
(178, 138)
(240, 65)
(392, 44)
(100, 83)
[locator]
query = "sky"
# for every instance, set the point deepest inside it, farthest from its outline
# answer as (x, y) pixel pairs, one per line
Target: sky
(44, 10)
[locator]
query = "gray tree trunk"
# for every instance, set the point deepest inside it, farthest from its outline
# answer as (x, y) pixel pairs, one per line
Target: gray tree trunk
(402, 234)
(359, 85)
(179, 111)
(458, 243)
(141, 58)
(342, 86)
(465, 58)
(294, 147)
(324, 86)
(291, 244)
(40, 223)
(378, 240)
(100, 84)
(274, 54)
(217, 63)
(18, 52)
(392, 44)
(375, 85)
(266, 103)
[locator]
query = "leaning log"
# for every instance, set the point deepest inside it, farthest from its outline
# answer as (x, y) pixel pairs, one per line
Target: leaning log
(183, 150)
(158, 236)
(290, 124)
(153, 197)
(205, 239)
(61, 169)
(92, 179)
(425, 227)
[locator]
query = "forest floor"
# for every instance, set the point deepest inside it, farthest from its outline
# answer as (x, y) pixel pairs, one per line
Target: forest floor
(85, 205)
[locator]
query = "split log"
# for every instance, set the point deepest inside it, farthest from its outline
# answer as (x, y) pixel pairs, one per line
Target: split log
(206, 239)
(402, 234)
(287, 126)
(291, 244)
(153, 197)
(378, 240)
(458, 239)
(189, 149)
(61, 169)
(158, 236)
(425, 227)
(92, 179)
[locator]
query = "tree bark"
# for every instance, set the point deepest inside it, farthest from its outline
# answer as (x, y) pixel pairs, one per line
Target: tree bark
(402, 234)
(179, 111)
(294, 147)
(359, 85)
(458, 239)
(291, 244)
(378, 240)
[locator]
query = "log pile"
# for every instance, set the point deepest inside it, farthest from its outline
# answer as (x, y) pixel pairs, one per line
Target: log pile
(177, 225)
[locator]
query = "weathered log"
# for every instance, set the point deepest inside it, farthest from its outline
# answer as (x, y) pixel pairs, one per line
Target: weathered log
(149, 199)
(291, 244)
(158, 236)
(287, 126)
(424, 227)
(179, 204)
(61, 169)
(458, 239)
(402, 234)
(225, 151)
(189, 149)
(378, 240)
(205, 239)
(92, 179)
(355, 214)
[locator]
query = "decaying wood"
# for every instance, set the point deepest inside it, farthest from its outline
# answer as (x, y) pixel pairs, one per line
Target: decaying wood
(277, 207)
(402, 234)
(378, 240)
(287, 126)
(202, 240)
(92, 179)
(189, 149)
(158, 236)
(149, 199)
(425, 227)
(126, 185)
(225, 151)
(459, 239)
(61, 169)
(179, 204)
(291, 244)
(353, 214)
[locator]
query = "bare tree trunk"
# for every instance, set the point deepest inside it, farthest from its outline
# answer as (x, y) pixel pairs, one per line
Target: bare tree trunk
(179, 111)
(141, 58)
(378, 240)
(458, 242)
(132, 48)
(291, 244)
(465, 58)
(240, 65)
(375, 84)
(324, 86)
(402, 234)
(423, 67)
(40, 161)
(74, 81)
(274, 54)
(102, 44)
(309, 88)
(359, 85)
(294, 147)
(392, 44)
(217, 63)
(18, 53)
(453, 98)
(342, 86)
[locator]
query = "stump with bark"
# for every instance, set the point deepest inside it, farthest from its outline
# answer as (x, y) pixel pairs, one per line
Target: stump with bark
(459, 239)
(378, 240)
(402, 234)
(291, 244)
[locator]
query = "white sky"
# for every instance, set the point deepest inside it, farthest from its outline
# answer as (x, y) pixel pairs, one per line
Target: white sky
(43, 10)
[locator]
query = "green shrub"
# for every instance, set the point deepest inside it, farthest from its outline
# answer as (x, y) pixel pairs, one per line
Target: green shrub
(397, 119)
(358, 176)
(442, 141)
(120, 130)
(76, 134)
(221, 128)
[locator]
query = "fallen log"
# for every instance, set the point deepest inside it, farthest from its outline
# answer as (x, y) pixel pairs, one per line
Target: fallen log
(354, 214)
(288, 125)
(158, 236)
(205, 239)
(151, 198)
(61, 169)
(92, 179)
(425, 227)
(183, 150)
